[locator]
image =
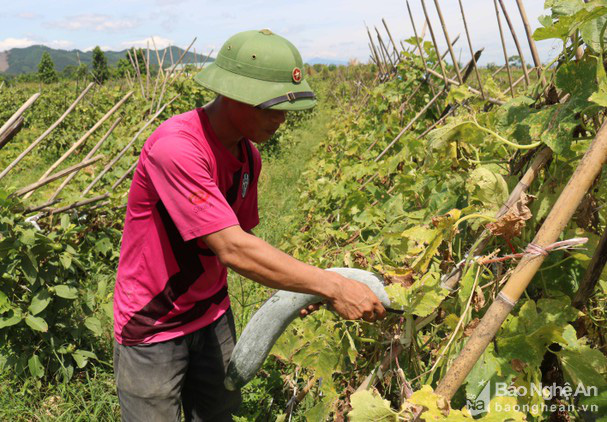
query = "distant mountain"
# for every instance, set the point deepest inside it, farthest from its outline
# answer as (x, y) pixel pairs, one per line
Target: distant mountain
(320, 60)
(25, 60)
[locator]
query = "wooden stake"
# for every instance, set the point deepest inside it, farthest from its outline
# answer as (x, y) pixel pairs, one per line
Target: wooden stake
(125, 175)
(374, 51)
(89, 155)
(406, 128)
(143, 91)
(85, 136)
(444, 26)
(160, 70)
(384, 50)
(478, 75)
(11, 121)
(592, 274)
(516, 43)
(171, 73)
(9, 134)
(499, 25)
(136, 67)
(440, 61)
(558, 218)
(46, 132)
(78, 204)
(532, 47)
(125, 149)
(473, 90)
(147, 69)
(391, 39)
(35, 208)
(417, 39)
(58, 175)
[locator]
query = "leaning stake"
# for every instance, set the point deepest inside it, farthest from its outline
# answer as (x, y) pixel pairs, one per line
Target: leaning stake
(9, 123)
(516, 43)
(562, 211)
(451, 52)
(440, 61)
(499, 25)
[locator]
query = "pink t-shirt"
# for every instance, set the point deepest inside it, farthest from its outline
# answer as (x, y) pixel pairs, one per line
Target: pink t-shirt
(186, 185)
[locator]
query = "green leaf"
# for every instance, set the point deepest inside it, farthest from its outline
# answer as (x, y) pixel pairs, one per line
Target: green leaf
(66, 292)
(36, 323)
(14, 316)
(5, 304)
(39, 301)
(502, 409)
(66, 260)
(584, 366)
(103, 246)
(487, 186)
(81, 357)
(28, 237)
(29, 267)
(94, 325)
(370, 407)
(436, 408)
(35, 366)
(65, 221)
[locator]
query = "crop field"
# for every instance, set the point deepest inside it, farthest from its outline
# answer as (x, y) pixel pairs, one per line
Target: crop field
(478, 195)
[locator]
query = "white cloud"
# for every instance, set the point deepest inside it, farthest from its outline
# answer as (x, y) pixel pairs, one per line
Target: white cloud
(28, 15)
(8, 43)
(102, 47)
(95, 22)
(160, 42)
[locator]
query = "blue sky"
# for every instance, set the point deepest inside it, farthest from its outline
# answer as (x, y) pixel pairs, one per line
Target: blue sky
(331, 29)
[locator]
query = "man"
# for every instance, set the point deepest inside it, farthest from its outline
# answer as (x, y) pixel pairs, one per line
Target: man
(191, 208)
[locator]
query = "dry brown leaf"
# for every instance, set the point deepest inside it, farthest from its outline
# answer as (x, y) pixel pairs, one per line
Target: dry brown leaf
(471, 327)
(518, 365)
(512, 222)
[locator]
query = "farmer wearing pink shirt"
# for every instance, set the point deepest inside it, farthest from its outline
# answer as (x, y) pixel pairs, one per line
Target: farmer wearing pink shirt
(191, 208)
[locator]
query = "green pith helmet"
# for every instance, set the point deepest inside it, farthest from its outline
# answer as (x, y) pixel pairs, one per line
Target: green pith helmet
(259, 68)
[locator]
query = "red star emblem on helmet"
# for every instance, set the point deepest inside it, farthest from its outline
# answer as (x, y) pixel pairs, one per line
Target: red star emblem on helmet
(296, 75)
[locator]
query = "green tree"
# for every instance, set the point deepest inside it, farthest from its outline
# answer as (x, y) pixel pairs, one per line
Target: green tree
(100, 70)
(46, 69)
(515, 61)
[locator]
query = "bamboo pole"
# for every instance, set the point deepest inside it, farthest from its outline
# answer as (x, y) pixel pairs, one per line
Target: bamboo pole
(162, 91)
(592, 273)
(78, 204)
(159, 76)
(498, 71)
(473, 90)
(515, 83)
(143, 91)
(440, 61)
(451, 280)
(478, 75)
(160, 70)
(11, 121)
(125, 175)
(385, 49)
(46, 132)
(9, 134)
(406, 128)
(379, 63)
(516, 43)
(446, 33)
(391, 39)
(532, 47)
(558, 218)
(419, 47)
(35, 208)
(171, 54)
(89, 155)
(125, 149)
(147, 69)
(499, 25)
(85, 136)
(136, 70)
(58, 175)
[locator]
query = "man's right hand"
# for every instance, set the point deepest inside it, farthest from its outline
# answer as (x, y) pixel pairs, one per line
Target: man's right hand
(354, 300)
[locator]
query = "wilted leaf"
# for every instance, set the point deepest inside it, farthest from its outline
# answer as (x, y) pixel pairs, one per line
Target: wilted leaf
(487, 187)
(511, 224)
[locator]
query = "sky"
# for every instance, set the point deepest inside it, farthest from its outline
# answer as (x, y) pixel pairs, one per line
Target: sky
(329, 29)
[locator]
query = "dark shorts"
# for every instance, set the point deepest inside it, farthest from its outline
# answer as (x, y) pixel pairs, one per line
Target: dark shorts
(155, 380)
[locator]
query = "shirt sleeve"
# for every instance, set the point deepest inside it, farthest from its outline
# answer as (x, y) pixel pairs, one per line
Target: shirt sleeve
(248, 214)
(181, 175)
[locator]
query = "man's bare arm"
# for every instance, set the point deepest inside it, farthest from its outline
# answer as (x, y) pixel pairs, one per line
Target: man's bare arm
(256, 259)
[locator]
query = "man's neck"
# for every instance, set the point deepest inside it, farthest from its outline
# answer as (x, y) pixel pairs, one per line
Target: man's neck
(226, 133)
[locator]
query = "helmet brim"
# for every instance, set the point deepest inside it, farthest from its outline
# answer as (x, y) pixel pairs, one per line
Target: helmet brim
(253, 91)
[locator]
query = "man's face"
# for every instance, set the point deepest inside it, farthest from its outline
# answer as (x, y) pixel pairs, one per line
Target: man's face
(255, 124)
